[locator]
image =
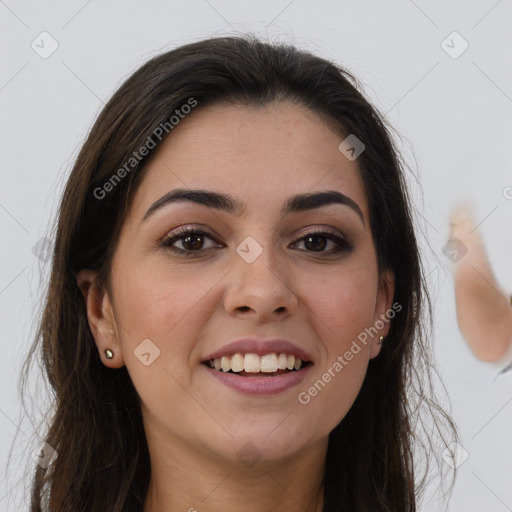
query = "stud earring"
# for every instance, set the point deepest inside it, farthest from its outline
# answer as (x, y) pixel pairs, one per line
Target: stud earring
(109, 354)
(381, 339)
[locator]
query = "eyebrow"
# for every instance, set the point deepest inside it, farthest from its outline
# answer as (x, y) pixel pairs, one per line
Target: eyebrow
(297, 203)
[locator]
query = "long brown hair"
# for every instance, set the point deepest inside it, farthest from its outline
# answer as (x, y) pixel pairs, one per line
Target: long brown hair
(95, 424)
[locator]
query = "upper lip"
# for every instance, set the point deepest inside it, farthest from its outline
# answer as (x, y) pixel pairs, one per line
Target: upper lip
(260, 347)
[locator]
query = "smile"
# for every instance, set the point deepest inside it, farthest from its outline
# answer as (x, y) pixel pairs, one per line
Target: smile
(267, 365)
(264, 375)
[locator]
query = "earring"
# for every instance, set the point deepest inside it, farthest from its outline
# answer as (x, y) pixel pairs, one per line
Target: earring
(109, 354)
(381, 339)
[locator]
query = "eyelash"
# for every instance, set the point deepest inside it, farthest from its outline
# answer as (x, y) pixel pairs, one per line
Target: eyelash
(343, 245)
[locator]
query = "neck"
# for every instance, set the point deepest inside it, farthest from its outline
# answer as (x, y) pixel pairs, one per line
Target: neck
(184, 479)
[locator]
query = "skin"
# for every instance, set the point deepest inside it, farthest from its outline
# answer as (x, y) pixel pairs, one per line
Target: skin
(188, 307)
(484, 313)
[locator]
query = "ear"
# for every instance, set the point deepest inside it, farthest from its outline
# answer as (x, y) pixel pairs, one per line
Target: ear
(383, 311)
(100, 315)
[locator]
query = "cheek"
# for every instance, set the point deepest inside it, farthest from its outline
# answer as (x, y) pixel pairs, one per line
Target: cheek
(168, 308)
(343, 302)
(344, 306)
(342, 309)
(154, 298)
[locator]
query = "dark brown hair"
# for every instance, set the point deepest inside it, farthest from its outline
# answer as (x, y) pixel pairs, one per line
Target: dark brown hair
(95, 425)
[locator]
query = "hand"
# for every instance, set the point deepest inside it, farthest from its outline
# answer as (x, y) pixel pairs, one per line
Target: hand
(484, 311)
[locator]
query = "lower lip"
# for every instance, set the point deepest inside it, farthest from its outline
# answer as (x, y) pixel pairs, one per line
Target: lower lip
(260, 385)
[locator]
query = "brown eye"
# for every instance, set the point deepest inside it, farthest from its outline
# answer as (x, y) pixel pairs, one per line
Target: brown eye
(318, 241)
(315, 242)
(192, 241)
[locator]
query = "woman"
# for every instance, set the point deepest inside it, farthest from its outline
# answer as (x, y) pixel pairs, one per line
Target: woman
(235, 310)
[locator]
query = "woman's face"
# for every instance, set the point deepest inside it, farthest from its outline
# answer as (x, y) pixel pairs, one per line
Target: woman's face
(258, 271)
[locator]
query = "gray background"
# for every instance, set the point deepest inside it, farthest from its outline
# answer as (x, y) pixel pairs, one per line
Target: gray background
(453, 114)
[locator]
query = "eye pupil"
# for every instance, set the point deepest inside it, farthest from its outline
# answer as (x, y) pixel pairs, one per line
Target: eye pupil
(316, 246)
(198, 239)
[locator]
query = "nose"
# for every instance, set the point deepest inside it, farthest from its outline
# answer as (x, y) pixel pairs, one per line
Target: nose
(260, 290)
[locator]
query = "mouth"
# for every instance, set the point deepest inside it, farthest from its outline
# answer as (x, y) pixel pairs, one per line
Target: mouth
(254, 365)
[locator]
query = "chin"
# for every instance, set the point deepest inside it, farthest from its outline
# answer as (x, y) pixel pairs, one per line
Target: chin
(271, 444)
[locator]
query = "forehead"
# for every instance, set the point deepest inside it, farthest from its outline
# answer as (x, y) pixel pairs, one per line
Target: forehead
(259, 155)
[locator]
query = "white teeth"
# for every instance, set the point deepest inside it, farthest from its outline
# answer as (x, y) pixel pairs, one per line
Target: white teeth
(281, 361)
(237, 363)
(225, 364)
(253, 363)
(269, 363)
